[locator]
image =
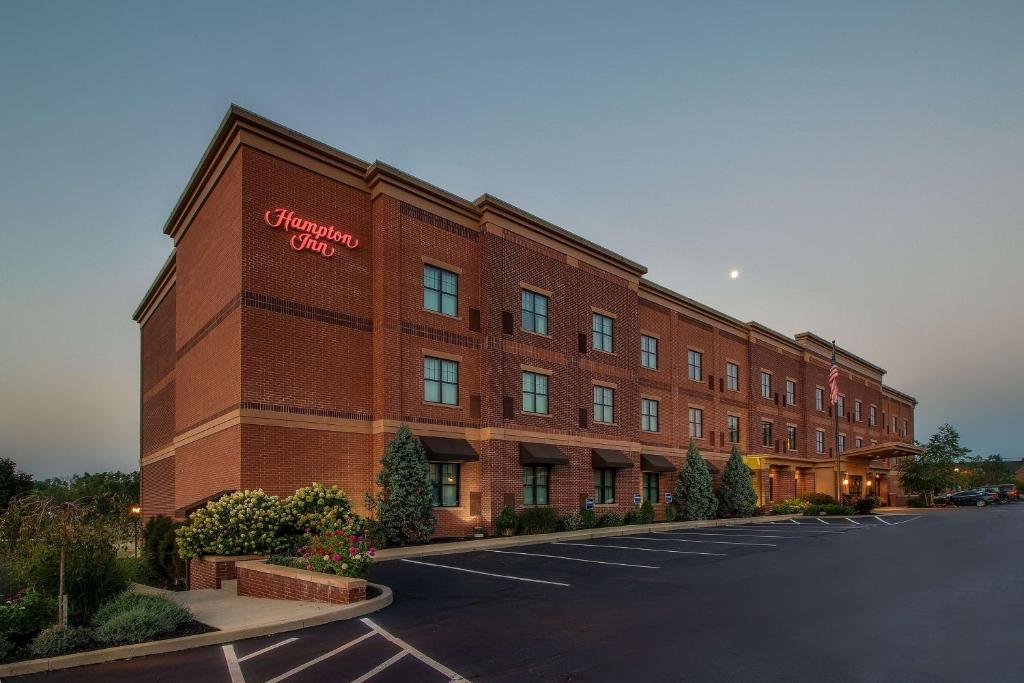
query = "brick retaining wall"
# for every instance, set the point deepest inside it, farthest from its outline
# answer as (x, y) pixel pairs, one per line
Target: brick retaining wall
(258, 579)
(210, 570)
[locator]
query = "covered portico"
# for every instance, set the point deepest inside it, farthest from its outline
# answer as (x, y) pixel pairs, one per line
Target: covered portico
(866, 471)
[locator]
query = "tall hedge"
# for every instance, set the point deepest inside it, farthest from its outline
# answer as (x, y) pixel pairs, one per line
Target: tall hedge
(693, 491)
(736, 495)
(402, 505)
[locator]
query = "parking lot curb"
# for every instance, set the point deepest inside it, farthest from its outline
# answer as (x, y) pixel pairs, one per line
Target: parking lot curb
(155, 647)
(455, 547)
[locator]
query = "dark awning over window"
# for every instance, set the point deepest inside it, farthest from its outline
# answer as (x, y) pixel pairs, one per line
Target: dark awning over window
(605, 458)
(442, 449)
(650, 462)
(541, 454)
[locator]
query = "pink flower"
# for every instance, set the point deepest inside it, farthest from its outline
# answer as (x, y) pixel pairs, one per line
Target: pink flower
(371, 552)
(353, 550)
(308, 567)
(352, 538)
(336, 557)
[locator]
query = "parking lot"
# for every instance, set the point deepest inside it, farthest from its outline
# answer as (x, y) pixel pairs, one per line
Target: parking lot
(894, 597)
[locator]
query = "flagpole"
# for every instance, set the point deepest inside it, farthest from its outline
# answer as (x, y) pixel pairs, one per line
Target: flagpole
(835, 414)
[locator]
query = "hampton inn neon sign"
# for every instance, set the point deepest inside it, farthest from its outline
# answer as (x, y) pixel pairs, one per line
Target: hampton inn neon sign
(309, 236)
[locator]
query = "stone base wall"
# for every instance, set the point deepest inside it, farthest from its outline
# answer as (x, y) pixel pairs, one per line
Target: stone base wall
(258, 579)
(210, 570)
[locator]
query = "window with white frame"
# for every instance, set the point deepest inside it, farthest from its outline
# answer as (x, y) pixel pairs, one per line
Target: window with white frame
(603, 331)
(842, 442)
(856, 410)
(766, 384)
(841, 406)
(694, 361)
(649, 352)
(440, 381)
(535, 392)
(440, 290)
(872, 416)
(790, 392)
(819, 441)
(791, 437)
(732, 376)
(533, 309)
(819, 399)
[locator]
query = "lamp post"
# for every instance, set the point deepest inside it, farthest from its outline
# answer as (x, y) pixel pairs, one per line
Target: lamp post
(136, 510)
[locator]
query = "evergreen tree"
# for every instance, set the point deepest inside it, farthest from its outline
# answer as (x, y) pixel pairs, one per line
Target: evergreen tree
(736, 495)
(402, 504)
(693, 488)
(13, 482)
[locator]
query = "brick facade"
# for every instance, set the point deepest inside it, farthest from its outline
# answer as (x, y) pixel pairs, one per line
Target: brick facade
(261, 580)
(263, 366)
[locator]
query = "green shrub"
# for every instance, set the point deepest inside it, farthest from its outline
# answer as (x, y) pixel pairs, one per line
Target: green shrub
(818, 498)
(507, 522)
(736, 495)
(867, 504)
(538, 520)
(671, 513)
(239, 523)
(6, 648)
(835, 510)
(588, 519)
(646, 513)
(609, 519)
(135, 618)
(58, 640)
(916, 502)
(792, 506)
(631, 517)
(693, 487)
(26, 614)
(134, 569)
(160, 552)
(403, 502)
(92, 572)
(317, 508)
(570, 522)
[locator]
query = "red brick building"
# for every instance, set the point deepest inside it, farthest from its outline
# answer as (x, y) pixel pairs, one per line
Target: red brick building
(314, 302)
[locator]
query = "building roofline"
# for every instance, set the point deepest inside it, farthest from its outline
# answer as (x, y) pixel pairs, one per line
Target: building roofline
(692, 303)
(899, 394)
(156, 286)
(777, 336)
(839, 350)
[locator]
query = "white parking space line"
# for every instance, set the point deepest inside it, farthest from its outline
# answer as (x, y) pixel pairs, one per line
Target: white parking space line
(326, 655)
(696, 533)
(380, 667)
(790, 530)
(905, 521)
(821, 520)
(633, 547)
(266, 649)
(429, 661)
(882, 520)
(234, 670)
(574, 559)
(690, 540)
(851, 521)
(498, 576)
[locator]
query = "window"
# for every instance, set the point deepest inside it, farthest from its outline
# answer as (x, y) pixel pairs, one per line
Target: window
(648, 415)
(696, 423)
(534, 311)
(893, 424)
(604, 486)
(872, 416)
(842, 442)
(693, 364)
(604, 404)
(858, 442)
(535, 393)
(444, 484)
(791, 437)
(440, 381)
(766, 385)
(602, 337)
(819, 441)
(651, 492)
(856, 411)
(440, 290)
(790, 392)
(906, 428)
(841, 406)
(648, 352)
(766, 434)
(733, 424)
(535, 484)
(819, 399)
(732, 376)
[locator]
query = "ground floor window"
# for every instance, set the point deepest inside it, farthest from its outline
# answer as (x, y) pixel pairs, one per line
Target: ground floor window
(444, 484)
(651, 493)
(535, 484)
(604, 486)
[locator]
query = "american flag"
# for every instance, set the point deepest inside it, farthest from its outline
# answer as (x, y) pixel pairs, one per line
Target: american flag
(833, 383)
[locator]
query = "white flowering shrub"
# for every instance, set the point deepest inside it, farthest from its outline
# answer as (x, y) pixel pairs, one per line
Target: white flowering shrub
(240, 523)
(316, 509)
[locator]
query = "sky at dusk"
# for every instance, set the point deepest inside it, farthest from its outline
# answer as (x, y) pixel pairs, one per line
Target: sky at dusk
(860, 163)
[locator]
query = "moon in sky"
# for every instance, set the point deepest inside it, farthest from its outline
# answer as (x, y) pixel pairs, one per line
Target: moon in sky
(734, 274)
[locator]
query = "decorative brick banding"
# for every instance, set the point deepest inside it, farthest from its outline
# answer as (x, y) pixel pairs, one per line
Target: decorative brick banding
(210, 570)
(257, 579)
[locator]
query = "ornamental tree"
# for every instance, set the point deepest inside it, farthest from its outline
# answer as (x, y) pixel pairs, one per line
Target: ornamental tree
(935, 469)
(693, 491)
(736, 495)
(402, 505)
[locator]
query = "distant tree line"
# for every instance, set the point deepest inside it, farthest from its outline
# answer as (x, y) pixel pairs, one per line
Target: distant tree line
(110, 491)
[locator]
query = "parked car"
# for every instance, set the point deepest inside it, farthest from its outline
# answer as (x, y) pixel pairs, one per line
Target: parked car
(1009, 491)
(1001, 497)
(979, 497)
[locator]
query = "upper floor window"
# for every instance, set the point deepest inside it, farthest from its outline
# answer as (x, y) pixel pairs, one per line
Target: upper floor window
(893, 424)
(603, 330)
(766, 434)
(444, 484)
(791, 437)
(648, 415)
(841, 406)
(819, 441)
(819, 399)
(732, 376)
(790, 392)
(604, 404)
(858, 442)
(906, 428)
(440, 290)
(842, 442)
(872, 416)
(766, 384)
(856, 411)
(696, 423)
(535, 393)
(534, 311)
(649, 352)
(733, 423)
(440, 381)
(693, 364)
